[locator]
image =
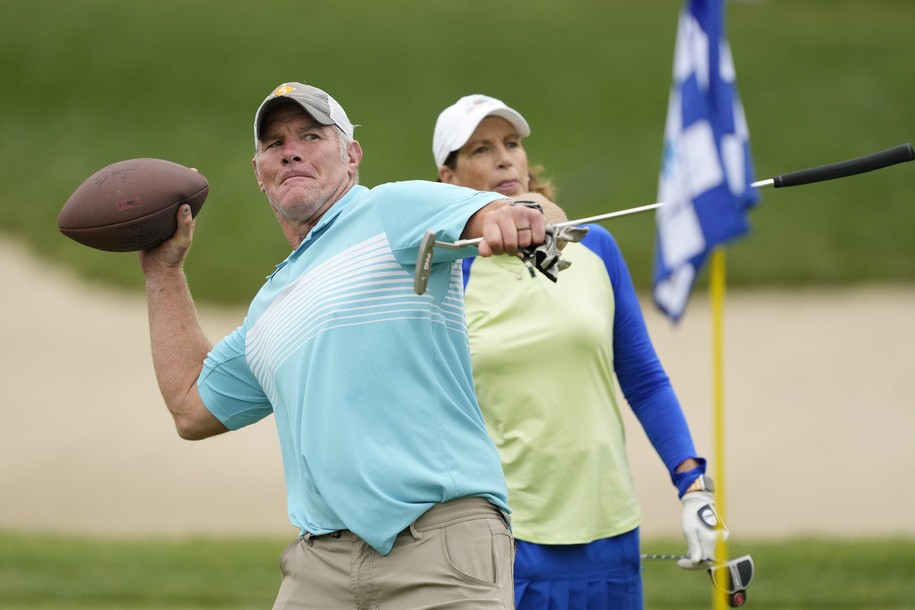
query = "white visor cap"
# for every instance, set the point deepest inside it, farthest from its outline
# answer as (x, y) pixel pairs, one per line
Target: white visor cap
(457, 123)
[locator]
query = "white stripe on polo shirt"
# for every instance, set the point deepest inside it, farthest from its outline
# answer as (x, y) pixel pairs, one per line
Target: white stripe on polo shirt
(361, 285)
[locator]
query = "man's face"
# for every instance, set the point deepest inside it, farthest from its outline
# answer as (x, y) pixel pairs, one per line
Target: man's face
(491, 160)
(300, 165)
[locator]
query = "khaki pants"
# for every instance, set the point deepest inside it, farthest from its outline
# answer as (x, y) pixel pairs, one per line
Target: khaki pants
(456, 555)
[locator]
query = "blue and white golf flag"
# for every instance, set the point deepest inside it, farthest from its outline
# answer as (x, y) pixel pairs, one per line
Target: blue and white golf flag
(707, 169)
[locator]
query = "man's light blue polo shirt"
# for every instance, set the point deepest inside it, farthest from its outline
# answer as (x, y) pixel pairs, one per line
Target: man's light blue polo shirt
(369, 383)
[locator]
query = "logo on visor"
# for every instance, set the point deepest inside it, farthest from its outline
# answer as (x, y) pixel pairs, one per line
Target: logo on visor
(283, 90)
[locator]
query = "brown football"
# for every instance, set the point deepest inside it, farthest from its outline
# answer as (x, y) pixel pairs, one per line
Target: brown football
(131, 205)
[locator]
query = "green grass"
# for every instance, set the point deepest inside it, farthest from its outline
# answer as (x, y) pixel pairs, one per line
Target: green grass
(92, 82)
(797, 574)
(41, 571)
(62, 572)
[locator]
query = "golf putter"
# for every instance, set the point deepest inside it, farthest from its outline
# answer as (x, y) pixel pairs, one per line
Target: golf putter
(429, 243)
(899, 154)
(732, 577)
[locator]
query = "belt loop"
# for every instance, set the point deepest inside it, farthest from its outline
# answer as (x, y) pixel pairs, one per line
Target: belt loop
(309, 538)
(415, 532)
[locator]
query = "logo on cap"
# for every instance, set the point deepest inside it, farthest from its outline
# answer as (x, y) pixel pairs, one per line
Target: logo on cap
(283, 90)
(477, 101)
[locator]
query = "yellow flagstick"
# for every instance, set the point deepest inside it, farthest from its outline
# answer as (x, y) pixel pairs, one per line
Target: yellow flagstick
(716, 288)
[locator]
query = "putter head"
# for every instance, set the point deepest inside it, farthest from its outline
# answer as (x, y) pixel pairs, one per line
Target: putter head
(733, 577)
(424, 262)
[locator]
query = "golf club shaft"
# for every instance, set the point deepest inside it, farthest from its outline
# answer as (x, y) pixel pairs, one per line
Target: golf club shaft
(569, 223)
(656, 556)
(841, 169)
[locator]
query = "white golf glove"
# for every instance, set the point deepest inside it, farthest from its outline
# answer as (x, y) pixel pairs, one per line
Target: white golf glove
(701, 527)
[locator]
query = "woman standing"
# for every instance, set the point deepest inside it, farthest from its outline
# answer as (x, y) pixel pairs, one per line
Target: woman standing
(545, 359)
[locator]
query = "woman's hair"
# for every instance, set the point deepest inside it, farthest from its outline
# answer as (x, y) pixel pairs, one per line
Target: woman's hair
(541, 184)
(538, 183)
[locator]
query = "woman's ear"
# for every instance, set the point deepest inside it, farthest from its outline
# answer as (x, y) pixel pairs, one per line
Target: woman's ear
(446, 174)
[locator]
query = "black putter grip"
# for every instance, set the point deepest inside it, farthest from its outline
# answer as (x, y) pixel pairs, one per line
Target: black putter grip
(899, 154)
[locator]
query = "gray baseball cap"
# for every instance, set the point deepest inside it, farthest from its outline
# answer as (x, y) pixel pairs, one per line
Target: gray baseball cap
(319, 104)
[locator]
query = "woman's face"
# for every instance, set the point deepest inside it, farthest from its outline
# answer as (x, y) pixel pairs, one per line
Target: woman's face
(493, 159)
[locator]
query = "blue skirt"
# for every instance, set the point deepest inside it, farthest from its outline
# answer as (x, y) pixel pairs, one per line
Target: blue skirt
(599, 575)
